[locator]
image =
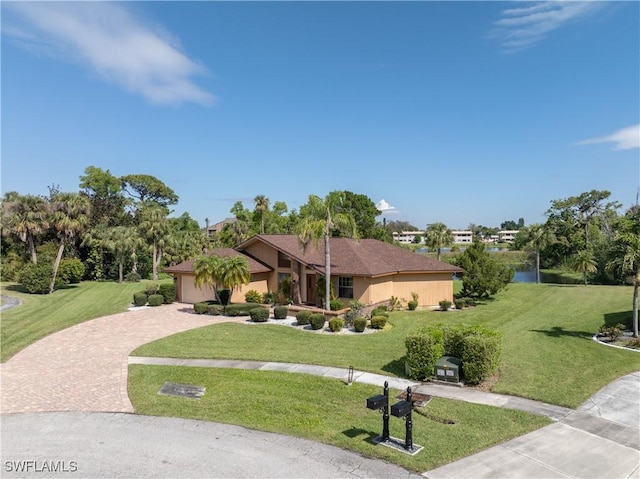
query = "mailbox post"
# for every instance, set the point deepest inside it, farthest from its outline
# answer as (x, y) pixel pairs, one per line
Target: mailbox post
(381, 402)
(403, 409)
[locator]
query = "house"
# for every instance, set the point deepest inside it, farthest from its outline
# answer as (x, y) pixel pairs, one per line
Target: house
(368, 270)
(213, 230)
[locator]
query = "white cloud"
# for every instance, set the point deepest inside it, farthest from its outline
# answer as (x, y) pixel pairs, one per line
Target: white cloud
(523, 26)
(385, 207)
(624, 139)
(107, 38)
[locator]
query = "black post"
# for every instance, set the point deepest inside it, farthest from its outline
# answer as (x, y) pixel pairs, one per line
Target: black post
(408, 440)
(385, 414)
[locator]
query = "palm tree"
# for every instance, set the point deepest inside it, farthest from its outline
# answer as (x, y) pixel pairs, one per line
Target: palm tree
(233, 272)
(26, 218)
(319, 218)
(437, 236)
(121, 240)
(154, 226)
(69, 218)
(262, 206)
(583, 262)
(626, 259)
(538, 237)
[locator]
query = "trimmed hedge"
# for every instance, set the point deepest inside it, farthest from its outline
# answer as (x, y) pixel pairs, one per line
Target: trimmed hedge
(424, 348)
(412, 305)
(215, 309)
(71, 270)
(240, 309)
(445, 304)
(252, 296)
(317, 320)
(280, 312)
(336, 324)
(303, 317)
(155, 300)
(336, 304)
(168, 292)
(359, 324)
(380, 311)
(378, 322)
(481, 356)
(259, 314)
(140, 299)
(200, 308)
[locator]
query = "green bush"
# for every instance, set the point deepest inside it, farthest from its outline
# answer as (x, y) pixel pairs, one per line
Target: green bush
(36, 278)
(259, 314)
(168, 292)
(359, 324)
(280, 312)
(460, 303)
(71, 270)
(481, 356)
(303, 317)
(380, 311)
(317, 320)
(132, 277)
(336, 324)
(412, 305)
(424, 348)
(378, 322)
(155, 300)
(336, 304)
(140, 299)
(252, 296)
(200, 308)
(445, 304)
(453, 339)
(215, 309)
(268, 298)
(240, 309)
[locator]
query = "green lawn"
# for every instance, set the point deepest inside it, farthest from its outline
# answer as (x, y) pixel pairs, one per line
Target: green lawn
(548, 352)
(40, 315)
(328, 411)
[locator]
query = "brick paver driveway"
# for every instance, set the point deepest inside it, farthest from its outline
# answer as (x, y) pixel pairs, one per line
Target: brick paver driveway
(84, 368)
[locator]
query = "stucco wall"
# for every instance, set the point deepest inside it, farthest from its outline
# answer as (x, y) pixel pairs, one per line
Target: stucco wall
(188, 292)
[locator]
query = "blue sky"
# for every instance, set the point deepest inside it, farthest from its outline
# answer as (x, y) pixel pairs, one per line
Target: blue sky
(460, 112)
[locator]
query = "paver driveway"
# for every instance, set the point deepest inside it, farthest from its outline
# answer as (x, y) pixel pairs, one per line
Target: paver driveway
(84, 368)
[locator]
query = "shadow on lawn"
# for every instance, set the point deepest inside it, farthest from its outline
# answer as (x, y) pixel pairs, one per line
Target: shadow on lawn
(354, 432)
(558, 332)
(621, 317)
(395, 367)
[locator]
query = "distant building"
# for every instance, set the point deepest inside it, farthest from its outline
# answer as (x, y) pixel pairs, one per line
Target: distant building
(214, 229)
(507, 236)
(462, 236)
(408, 237)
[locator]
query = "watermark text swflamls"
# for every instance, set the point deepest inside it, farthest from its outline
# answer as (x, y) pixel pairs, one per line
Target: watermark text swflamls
(40, 466)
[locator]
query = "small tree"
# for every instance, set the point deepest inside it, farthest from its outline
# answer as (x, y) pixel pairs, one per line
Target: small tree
(483, 276)
(585, 263)
(437, 236)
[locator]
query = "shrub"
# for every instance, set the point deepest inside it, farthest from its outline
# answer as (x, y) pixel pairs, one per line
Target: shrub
(36, 278)
(280, 312)
(424, 348)
(259, 314)
(155, 300)
(200, 308)
(252, 296)
(140, 299)
(412, 305)
(303, 317)
(460, 303)
(168, 292)
(132, 277)
(240, 309)
(378, 322)
(215, 309)
(336, 324)
(480, 356)
(614, 332)
(359, 324)
(445, 304)
(380, 311)
(336, 304)
(268, 298)
(355, 311)
(71, 270)
(317, 320)
(394, 303)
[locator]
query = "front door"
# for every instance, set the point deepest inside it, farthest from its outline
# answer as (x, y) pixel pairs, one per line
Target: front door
(311, 289)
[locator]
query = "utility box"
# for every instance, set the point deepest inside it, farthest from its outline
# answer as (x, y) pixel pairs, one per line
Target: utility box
(448, 369)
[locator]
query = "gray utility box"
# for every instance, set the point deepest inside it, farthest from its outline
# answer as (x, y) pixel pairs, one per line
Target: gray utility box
(448, 369)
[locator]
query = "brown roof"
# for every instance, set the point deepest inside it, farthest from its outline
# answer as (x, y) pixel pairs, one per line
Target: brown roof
(367, 257)
(187, 266)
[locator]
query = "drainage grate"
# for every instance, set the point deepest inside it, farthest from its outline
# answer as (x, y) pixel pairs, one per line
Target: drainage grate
(417, 399)
(182, 390)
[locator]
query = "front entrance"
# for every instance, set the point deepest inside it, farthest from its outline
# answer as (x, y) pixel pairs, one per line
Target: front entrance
(312, 296)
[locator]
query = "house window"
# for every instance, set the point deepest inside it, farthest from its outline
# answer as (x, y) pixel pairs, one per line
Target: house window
(284, 284)
(283, 260)
(345, 287)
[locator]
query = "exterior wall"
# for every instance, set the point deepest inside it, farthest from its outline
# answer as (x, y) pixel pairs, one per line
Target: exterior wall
(188, 292)
(269, 256)
(431, 288)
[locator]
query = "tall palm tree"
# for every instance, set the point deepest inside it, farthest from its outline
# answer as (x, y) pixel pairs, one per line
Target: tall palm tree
(205, 269)
(583, 262)
(626, 259)
(26, 217)
(262, 206)
(438, 236)
(233, 272)
(69, 219)
(319, 218)
(154, 227)
(121, 240)
(538, 237)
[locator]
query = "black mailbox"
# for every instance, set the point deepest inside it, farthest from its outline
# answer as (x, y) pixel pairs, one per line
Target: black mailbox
(401, 409)
(377, 402)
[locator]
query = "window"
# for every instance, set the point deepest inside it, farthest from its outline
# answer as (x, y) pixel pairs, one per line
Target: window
(283, 260)
(345, 287)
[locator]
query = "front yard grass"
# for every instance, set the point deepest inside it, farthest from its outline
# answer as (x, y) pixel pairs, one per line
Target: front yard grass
(40, 315)
(328, 411)
(548, 354)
